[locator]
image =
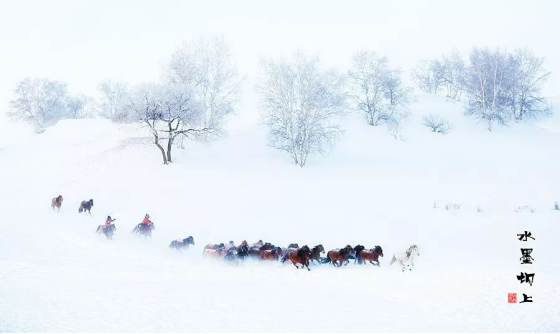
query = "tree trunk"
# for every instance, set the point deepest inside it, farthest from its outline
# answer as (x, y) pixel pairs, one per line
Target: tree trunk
(169, 145)
(156, 141)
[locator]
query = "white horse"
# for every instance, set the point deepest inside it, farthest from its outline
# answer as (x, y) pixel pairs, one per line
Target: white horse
(407, 256)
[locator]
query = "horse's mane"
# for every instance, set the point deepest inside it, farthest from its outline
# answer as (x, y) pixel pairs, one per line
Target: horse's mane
(302, 250)
(409, 252)
(358, 249)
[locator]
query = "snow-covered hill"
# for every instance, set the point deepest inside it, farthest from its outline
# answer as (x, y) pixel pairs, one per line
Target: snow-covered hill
(57, 275)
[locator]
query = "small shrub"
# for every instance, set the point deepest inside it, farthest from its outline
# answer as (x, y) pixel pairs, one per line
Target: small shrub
(452, 206)
(556, 206)
(479, 210)
(438, 124)
(525, 208)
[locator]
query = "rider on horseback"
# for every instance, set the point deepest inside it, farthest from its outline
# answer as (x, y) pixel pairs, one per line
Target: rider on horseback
(145, 224)
(108, 223)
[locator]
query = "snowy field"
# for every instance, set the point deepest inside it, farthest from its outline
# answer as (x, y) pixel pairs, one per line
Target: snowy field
(57, 275)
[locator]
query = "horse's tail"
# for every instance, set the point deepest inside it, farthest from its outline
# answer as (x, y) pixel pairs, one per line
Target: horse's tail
(134, 229)
(80, 209)
(98, 227)
(393, 260)
(172, 244)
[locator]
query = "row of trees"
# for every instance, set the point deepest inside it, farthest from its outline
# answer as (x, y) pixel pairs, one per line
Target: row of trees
(42, 102)
(199, 89)
(301, 101)
(500, 86)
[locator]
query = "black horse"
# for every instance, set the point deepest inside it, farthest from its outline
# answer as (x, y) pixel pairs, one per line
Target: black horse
(316, 253)
(180, 244)
(236, 253)
(357, 250)
(86, 206)
(146, 231)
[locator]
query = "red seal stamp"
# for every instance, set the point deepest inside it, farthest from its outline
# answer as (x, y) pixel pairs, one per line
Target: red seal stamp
(512, 298)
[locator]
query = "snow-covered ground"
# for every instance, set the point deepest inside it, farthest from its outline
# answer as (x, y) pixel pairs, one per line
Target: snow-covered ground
(56, 274)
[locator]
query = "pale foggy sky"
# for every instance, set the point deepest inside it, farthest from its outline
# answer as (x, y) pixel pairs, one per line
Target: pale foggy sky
(85, 42)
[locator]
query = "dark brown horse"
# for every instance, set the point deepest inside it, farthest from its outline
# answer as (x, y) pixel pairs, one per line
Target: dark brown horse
(372, 255)
(180, 244)
(301, 256)
(57, 202)
(316, 253)
(256, 251)
(339, 256)
(271, 254)
(86, 206)
(286, 252)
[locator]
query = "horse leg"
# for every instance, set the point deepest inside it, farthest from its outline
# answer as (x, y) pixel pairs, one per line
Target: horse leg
(295, 264)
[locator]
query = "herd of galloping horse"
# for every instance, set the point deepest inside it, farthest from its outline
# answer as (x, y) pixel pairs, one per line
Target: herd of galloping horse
(266, 251)
(302, 256)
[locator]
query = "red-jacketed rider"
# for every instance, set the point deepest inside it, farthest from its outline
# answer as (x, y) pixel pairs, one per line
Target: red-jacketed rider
(108, 222)
(146, 222)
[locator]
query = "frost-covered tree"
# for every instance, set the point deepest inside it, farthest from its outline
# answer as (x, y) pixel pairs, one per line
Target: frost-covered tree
(428, 76)
(169, 111)
(200, 89)
(207, 67)
(524, 80)
(435, 75)
(454, 72)
(377, 90)
(300, 104)
(485, 83)
(40, 102)
(80, 106)
(113, 101)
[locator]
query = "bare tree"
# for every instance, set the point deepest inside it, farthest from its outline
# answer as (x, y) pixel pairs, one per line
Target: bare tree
(168, 111)
(378, 91)
(438, 124)
(300, 104)
(525, 78)
(200, 90)
(485, 85)
(113, 101)
(40, 102)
